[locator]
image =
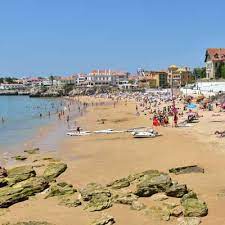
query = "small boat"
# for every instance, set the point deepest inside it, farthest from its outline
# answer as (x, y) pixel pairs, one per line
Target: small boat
(145, 134)
(76, 133)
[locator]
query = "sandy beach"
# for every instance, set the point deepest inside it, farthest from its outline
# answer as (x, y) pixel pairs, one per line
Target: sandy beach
(103, 158)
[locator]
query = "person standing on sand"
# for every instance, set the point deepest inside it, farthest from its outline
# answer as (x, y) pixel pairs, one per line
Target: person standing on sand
(175, 119)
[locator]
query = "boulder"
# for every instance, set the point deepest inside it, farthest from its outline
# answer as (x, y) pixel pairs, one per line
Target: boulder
(92, 189)
(53, 170)
(69, 202)
(126, 198)
(136, 205)
(98, 202)
(159, 212)
(194, 208)
(21, 173)
(177, 190)
(32, 151)
(21, 191)
(186, 169)
(118, 184)
(152, 184)
(177, 211)
(60, 189)
(104, 220)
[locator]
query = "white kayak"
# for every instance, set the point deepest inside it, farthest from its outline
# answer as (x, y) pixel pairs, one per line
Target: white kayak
(81, 133)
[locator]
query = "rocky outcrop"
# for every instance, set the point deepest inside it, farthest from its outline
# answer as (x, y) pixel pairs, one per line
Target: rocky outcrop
(53, 170)
(3, 172)
(21, 191)
(186, 169)
(3, 182)
(60, 189)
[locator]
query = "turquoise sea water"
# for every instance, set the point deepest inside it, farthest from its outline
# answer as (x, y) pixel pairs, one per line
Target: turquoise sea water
(21, 116)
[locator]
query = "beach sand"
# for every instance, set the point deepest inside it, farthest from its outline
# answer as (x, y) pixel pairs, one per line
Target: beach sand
(104, 158)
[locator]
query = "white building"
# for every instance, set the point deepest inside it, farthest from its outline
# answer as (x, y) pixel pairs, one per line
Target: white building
(214, 58)
(106, 78)
(11, 86)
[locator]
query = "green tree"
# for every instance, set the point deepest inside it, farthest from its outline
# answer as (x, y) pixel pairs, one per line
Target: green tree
(51, 78)
(199, 72)
(222, 71)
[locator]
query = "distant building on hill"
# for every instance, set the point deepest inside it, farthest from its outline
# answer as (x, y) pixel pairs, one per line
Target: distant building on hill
(214, 59)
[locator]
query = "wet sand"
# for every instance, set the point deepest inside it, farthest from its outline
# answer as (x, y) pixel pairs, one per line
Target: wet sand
(103, 158)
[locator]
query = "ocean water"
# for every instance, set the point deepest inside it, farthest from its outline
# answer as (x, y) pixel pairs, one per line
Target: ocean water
(21, 117)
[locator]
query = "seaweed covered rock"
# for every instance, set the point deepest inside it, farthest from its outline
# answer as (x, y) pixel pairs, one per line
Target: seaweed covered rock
(194, 208)
(98, 202)
(186, 169)
(177, 190)
(32, 151)
(19, 157)
(153, 183)
(92, 189)
(21, 191)
(125, 198)
(21, 173)
(53, 170)
(104, 220)
(59, 189)
(190, 194)
(118, 184)
(139, 176)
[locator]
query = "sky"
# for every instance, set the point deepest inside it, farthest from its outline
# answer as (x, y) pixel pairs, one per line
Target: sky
(62, 37)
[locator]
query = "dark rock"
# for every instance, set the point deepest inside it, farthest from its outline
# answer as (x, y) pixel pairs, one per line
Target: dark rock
(3, 172)
(187, 169)
(21, 191)
(177, 190)
(3, 182)
(32, 151)
(118, 184)
(19, 157)
(61, 189)
(53, 170)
